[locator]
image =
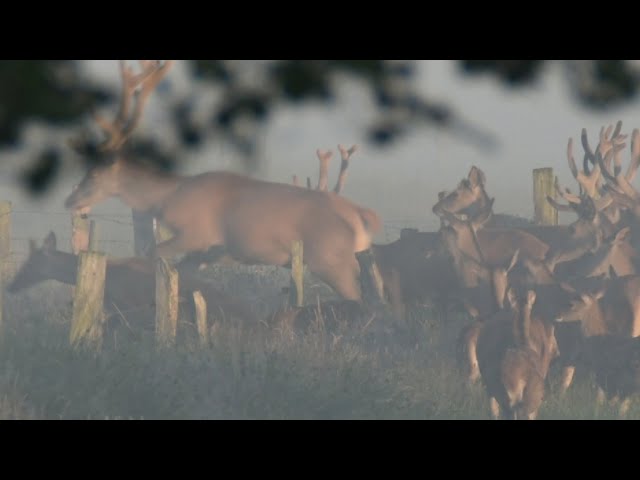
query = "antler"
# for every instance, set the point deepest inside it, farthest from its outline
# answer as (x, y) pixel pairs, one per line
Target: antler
(346, 156)
(620, 181)
(635, 156)
(604, 145)
(119, 130)
(324, 156)
(571, 198)
(588, 180)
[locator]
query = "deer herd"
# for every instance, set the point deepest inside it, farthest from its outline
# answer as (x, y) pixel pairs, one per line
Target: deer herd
(535, 295)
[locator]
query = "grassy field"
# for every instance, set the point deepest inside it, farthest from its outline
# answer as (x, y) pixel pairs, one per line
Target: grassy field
(384, 371)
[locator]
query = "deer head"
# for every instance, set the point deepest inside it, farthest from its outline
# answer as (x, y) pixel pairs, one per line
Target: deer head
(101, 181)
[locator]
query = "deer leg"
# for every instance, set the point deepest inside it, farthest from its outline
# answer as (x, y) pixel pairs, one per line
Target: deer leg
(495, 408)
(600, 397)
(624, 407)
(393, 289)
(344, 282)
(177, 245)
(467, 345)
(566, 379)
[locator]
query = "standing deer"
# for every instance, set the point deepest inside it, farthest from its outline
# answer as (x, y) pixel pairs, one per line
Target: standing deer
(516, 347)
(411, 269)
(255, 221)
(615, 361)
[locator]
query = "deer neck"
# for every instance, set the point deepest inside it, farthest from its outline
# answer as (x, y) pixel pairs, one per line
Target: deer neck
(64, 267)
(593, 321)
(144, 189)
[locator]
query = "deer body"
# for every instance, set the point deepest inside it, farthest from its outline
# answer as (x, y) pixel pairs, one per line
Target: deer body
(615, 360)
(129, 284)
(256, 221)
(515, 349)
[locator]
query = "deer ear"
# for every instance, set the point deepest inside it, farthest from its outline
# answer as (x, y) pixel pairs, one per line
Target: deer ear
(50, 242)
(476, 176)
(622, 235)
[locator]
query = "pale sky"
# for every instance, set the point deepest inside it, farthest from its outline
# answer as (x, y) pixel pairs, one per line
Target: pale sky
(401, 183)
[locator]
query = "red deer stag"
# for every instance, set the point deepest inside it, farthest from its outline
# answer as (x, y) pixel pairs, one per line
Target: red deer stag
(411, 270)
(255, 221)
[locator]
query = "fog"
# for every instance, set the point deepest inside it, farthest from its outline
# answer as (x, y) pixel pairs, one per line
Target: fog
(402, 370)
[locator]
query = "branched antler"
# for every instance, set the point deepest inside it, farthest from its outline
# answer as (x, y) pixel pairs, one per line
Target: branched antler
(324, 156)
(344, 165)
(136, 87)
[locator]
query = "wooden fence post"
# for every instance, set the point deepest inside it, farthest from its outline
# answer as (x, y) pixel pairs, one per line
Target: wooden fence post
(93, 236)
(543, 185)
(5, 251)
(166, 303)
(79, 233)
(296, 290)
(370, 279)
(88, 300)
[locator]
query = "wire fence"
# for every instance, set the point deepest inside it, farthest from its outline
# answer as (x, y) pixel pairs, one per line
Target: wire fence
(115, 230)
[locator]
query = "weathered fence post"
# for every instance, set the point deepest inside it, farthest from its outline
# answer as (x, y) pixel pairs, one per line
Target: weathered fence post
(201, 318)
(93, 236)
(370, 279)
(88, 300)
(143, 233)
(543, 185)
(79, 233)
(166, 303)
(5, 251)
(296, 290)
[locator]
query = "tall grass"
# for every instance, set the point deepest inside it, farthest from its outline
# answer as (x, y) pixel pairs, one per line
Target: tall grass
(390, 371)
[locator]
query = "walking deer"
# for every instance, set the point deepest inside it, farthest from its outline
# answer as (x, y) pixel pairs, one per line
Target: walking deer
(129, 285)
(255, 221)
(515, 350)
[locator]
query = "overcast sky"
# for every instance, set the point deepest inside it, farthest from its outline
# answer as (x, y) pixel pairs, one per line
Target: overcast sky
(401, 183)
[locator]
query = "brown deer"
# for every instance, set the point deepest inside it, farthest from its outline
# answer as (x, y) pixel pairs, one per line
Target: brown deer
(471, 196)
(497, 245)
(610, 307)
(515, 350)
(412, 271)
(615, 361)
(616, 253)
(255, 221)
(129, 285)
